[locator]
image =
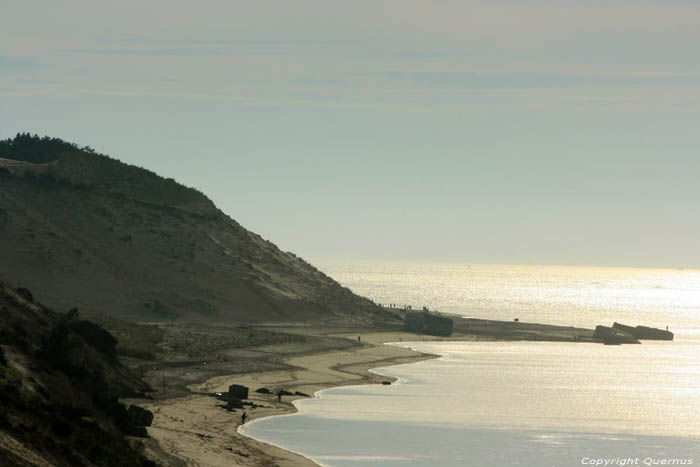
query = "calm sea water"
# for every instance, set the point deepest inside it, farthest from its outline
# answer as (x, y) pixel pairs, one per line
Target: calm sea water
(517, 403)
(571, 296)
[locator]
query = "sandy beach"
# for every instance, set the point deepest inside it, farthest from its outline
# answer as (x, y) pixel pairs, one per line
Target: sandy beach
(191, 426)
(198, 431)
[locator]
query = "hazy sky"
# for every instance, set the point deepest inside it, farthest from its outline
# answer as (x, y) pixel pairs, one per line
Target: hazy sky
(501, 131)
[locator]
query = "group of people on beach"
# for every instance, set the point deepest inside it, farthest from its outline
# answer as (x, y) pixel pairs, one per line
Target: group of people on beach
(405, 307)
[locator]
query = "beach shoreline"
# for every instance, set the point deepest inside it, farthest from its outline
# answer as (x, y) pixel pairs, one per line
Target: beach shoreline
(192, 427)
(199, 431)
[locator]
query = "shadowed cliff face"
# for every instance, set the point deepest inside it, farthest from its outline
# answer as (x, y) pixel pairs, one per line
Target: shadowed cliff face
(86, 230)
(59, 384)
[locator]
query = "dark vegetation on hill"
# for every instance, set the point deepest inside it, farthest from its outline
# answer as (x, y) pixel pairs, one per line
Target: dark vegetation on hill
(84, 168)
(83, 229)
(59, 383)
(28, 148)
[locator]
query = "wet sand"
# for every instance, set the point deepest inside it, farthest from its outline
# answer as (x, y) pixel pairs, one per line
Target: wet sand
(192, 427)
(198, 430)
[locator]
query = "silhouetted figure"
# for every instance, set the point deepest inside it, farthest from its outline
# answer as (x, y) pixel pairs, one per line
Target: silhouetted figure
(243, 417)
(279, 396)
(358, 339)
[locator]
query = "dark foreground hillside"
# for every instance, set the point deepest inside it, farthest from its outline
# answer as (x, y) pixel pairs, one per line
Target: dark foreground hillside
(59, 384)
(82, 229)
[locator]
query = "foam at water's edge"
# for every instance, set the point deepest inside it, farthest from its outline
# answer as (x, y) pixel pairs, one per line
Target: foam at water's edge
(298, 405)
(423, 403)
(241, 431)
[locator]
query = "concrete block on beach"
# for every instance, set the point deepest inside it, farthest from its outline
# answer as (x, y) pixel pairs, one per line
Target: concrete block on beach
(424, 322)
(644, 332)
(139, 416)
(609, 335)
(234, 402)
(236, 390)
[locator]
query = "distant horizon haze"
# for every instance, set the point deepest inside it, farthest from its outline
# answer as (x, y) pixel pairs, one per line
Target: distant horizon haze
(512, 132)
(324, 261)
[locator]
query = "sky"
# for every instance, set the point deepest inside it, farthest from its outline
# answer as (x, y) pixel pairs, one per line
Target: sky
(500, 131)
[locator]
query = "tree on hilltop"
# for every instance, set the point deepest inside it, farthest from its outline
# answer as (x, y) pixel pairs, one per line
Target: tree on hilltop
(37, 150)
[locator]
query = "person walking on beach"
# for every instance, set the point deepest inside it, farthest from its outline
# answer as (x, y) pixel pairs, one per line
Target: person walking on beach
(243, 417)
(279, 396)
(358, 339)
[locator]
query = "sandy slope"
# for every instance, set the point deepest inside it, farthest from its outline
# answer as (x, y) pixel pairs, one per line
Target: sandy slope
(196, 429)
(90, 232)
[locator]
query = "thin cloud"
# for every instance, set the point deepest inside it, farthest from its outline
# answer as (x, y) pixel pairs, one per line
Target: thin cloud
(516, 80)
(17, 63)
(262, 42)
(180, 51)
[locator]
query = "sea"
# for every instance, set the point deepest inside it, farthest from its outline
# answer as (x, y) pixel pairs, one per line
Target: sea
(516, 403)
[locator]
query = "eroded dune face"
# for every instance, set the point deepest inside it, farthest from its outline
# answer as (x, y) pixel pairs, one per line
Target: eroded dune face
(59, 384)
(89, 231)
